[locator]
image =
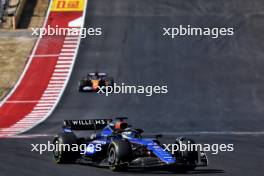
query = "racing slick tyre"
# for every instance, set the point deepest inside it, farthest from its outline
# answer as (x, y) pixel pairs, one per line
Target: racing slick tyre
(84, 83)
(109, 81)
(65, 156)
(80, 88)
(119, 154)
(81, 85)
(190, 158)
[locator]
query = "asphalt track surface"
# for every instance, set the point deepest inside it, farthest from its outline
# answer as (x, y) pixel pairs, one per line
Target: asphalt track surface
(214, 84)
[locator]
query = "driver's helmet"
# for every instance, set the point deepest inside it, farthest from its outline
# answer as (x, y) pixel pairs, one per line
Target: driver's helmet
(129, 133)
(120, 125)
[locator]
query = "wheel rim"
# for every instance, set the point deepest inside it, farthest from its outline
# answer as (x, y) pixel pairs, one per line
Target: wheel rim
(56, 153)
(112, 156)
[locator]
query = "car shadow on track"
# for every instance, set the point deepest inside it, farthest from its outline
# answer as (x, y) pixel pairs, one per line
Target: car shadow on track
(158, 172)
(207, 171)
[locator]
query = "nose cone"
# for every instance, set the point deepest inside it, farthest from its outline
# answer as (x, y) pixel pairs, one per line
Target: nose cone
(95, 84)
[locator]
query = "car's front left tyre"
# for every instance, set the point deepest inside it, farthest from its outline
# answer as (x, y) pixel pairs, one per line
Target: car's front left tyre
(190, 158)
(119, 153)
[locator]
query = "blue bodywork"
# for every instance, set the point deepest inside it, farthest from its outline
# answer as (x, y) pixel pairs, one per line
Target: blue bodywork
(156, 149)
(140, 152)
(102, 138)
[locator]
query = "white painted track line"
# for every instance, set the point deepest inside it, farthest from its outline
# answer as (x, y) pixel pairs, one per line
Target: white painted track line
(69, 46)
(68, 50)
(70, 42)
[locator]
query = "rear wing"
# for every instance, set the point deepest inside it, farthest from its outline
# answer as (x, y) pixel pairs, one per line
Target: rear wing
(89, 124)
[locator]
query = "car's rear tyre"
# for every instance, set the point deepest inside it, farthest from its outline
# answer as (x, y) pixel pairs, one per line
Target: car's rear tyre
(65, 156)
(84, 83)
(109, 81)
(80, 89)
(119, 154)
(80, 86)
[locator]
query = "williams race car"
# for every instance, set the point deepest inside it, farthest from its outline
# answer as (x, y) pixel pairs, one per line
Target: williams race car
(93, 81)
(119, 147)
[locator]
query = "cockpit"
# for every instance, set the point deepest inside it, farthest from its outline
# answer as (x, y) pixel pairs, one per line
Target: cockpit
(120, 126)
(130, 133)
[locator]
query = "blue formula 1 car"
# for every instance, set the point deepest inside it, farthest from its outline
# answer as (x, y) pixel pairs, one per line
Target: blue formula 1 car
(119, 147)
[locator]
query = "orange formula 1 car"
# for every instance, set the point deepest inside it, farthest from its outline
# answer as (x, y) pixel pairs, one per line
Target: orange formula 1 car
(93, 81)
